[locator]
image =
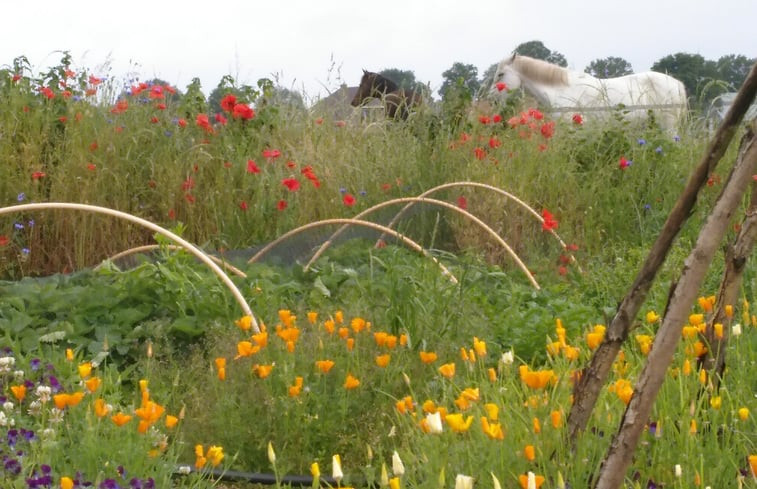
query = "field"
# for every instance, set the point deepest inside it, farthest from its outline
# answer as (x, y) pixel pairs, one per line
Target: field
(372, 366)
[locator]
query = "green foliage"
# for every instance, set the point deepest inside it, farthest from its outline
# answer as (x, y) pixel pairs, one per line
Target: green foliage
(609, 67)
(458, 79)
(537, 49)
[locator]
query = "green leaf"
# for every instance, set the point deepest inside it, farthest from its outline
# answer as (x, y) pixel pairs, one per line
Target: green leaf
(319, 285)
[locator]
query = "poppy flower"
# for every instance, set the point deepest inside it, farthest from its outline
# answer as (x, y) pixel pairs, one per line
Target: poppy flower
(324, 365)
(4, 240)
(462, 202)
(483, 119)
(447, 370)
(47, 92)
(549, 221)
(291, 183)
(497, 118)
(479, 153)
(156, 92)
(203, 121)
(624, 163)
(428, 357)
(348, 200)
(548, 129)
(501, 86)
(221, 119)
(94, 81)
(38, 174)
(271, 154)
(281, 205)
(228, 102)
(351, 382)
(457, 423)
(120, 419)
(182, 123)
(120, 107)
(243, 111)
(243, 205)
(577, 119)
(494, 142)
(252, 167)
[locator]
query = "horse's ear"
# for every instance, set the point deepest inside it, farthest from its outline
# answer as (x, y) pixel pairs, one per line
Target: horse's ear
(365, 72)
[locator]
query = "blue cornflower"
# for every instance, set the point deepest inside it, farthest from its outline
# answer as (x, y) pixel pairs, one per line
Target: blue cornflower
(342, 190)
(641, 141)
(25, 251)
(647, 207)
(658, 150)
(21, 197)
(168, 134)
(363, 192)
(676, 138)
(18, 225)
(30, 223)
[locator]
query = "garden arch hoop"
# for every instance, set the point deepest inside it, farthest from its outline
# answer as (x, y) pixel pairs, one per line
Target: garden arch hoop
(326, 222)
(420, 200)
(149, 225)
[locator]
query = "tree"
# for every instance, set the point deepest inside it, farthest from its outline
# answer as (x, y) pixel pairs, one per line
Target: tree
(537, 49)
(488, 77)
(460, 75)
(691, 69)
(403, 78)
(610, 67)
(733, 69)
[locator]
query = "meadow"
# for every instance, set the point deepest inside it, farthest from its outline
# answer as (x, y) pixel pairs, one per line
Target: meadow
(371, 367)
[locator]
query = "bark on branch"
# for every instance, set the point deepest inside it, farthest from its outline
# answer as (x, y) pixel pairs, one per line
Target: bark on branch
(593, 377)
(620, 453)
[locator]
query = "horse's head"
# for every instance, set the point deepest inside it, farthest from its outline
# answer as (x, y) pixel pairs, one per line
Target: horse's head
(365, 89)
(505, 79)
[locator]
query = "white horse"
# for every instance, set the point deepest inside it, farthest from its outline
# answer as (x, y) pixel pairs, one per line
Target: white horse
(564, 91)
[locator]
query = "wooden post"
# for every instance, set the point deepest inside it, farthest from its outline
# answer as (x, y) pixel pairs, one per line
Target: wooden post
(593, 377)
(613, 469)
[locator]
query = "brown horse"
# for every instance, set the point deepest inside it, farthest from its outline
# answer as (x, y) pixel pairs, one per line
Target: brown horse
(397, 101)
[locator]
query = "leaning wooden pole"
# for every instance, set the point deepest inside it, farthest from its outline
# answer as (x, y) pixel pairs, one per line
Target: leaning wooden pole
(618, 458)
(593, 377)
(736, 258)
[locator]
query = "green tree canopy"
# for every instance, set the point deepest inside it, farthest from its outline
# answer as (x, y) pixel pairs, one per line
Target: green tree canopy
(537, 49)
(460, 75)
(610, 67)
(403, 78)
(733, 69)
(691, 69)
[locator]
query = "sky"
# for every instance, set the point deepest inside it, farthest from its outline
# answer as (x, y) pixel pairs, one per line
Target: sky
(313, 46)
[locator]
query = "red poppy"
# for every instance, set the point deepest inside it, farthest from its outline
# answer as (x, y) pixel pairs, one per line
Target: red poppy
(319, 121)
(562, 270)
(38, 174)
(90, 91)
(66, 94)
(154, 120)
(188, 184)
(464, 137)
(386, 187)
(536, 114)
(291, 183)
(281, 205)
(203, 122)
(228, 102)
(171, 214)
(494, 142)
(189, 198)
(252, 167)
(47, 92)
(137, 89)
(169, 89)
(121, 107)
(479, 153)
(94, 81)
(462, 202)
(161, 106)
(484, 119)
(156, 92)
(550, 222)
(291, 165)
(16, 77)
(182, 123)
(571, 247)
(91, 167)
(577, 119)
(93, 146)
(548, 129)
(271, 154)
(348, 200)
(501, 86)
(497, 118)
(4, 240)
(624, 163)
(63, 119)
(243, 205)
(243, 111)
(220, 118)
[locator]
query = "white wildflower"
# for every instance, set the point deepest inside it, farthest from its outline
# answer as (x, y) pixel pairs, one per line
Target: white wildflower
(398, 468)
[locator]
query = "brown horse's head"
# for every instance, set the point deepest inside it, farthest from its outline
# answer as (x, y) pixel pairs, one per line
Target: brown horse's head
(372, 85)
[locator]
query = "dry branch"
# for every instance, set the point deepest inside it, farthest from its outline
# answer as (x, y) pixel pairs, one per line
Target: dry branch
(594, 376)
(684, 293)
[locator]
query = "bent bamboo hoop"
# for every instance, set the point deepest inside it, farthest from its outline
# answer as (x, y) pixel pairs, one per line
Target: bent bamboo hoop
(149, 225)
(413, 200)
(142, 249)
(327, 222)
(494, 189)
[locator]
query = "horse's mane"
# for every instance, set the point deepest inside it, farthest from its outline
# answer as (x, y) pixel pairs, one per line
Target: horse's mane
(540, 71)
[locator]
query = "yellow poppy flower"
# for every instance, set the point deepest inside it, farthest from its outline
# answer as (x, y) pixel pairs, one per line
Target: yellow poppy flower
(479, 346)
(312, 317)
(19, 392)
(351, 382)
(260, 339)
(652, 317)
(120, 419)
(329, 326)
(93, 383)
(85, 369)
(457, 423)
(262, 371)
(383, 360)
(492, 430)
(339, 317)
(427, 357)
(556, 418)
(538, 480)
(101, 408)
(324, 365)
(447, 370)
(529, 452)
(244, 323)
(357, 324)
(171, 421)
(215, 455)
(743, 414)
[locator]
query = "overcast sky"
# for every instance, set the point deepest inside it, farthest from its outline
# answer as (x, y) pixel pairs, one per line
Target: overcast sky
(314, 45)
